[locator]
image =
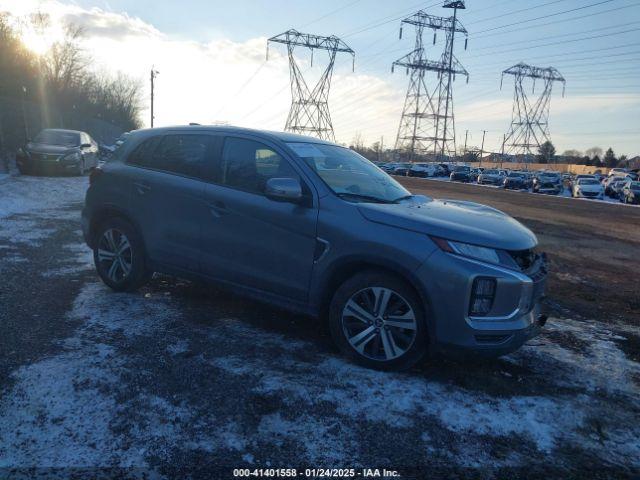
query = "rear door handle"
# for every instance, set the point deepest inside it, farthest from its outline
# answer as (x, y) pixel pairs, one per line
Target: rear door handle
(141, 187)
(218, 208)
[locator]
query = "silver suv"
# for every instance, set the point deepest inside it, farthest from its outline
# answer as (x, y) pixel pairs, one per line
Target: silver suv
(315, 227)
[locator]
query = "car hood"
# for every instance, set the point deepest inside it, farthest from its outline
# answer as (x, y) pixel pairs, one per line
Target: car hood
(454, 220)
(49, 149)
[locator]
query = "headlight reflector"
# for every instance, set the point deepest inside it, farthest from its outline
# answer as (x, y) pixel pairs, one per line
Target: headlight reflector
(468, 250)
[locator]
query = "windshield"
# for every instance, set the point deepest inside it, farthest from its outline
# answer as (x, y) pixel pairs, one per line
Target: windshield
(462, 169)
(490, 172)
(635, 185)
(517, 175)
(588, 181)
(54, 137)
(348, 174)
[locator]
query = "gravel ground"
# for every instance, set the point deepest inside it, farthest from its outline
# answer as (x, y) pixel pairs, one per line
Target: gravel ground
(183, 380)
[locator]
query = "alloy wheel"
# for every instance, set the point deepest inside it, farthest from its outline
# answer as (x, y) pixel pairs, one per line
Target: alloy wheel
(115, 255)
(379, 323)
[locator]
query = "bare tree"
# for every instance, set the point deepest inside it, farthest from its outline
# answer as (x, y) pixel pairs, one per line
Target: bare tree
(65, 63)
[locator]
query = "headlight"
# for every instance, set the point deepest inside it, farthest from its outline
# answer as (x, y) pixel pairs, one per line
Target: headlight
(467, 250)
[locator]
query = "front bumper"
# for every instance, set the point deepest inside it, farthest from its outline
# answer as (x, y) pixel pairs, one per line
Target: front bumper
(581, 194)
(515, 317)
(47, 164)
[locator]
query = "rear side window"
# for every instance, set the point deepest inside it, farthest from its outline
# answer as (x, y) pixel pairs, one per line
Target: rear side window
(181, 154)
(247, 165)
(142, 155)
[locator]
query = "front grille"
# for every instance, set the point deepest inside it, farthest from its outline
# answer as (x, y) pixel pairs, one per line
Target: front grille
(590, 194)
(44, 157)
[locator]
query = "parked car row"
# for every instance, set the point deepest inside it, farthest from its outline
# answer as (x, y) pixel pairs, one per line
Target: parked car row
(620, 183)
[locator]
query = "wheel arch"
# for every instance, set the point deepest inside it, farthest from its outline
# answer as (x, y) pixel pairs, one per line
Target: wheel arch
(106, 212)
(346, 268)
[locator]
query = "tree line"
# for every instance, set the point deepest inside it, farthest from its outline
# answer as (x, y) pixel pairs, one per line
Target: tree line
(59, 88)
(594, 156)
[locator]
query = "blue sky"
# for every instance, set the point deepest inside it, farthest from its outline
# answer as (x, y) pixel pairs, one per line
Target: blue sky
(594, 43)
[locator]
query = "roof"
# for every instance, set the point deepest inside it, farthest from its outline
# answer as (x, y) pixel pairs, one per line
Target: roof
(65, 130)
(281, 136)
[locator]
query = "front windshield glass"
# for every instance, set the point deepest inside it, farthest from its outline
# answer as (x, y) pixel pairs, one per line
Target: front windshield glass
(54, 137)
(462, 169)
(515, 174)
(490, 172)
(348, 174)
(588, 181)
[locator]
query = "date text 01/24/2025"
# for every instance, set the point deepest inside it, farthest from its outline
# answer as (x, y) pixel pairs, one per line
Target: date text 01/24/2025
(316, 472)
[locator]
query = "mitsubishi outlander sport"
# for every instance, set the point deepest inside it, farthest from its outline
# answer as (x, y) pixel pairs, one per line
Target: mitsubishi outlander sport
(314, 227)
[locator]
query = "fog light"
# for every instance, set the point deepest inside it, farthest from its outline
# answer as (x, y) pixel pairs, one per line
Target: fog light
(483, 293)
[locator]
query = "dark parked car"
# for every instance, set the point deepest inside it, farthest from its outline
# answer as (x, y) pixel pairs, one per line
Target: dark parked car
(58, 151)
(461, 173)
(630, 193)
(401, 169)
(317, 228)
(549, 183)
(515, 180)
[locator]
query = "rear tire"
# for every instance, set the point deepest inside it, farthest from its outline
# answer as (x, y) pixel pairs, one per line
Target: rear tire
(119, 255)
(378, 321)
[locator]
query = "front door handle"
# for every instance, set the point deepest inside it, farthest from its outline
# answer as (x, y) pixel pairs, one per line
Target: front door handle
(141, 187)
(218, 208)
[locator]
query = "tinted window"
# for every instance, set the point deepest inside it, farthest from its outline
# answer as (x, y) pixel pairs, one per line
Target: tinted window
(58, 137)
(248, 165)
(142, 155)
(182, 154)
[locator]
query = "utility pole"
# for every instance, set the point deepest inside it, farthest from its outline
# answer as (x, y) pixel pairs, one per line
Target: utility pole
(455, 5)
(154, 74)
(24, 113)
(466, 134)
(484, 132)
(504, 140)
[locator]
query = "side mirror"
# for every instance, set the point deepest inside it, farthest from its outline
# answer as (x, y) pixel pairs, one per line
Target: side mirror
(283, 189)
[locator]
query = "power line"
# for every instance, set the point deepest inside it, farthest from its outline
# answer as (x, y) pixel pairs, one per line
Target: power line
(339, 9)
(580, 17)
(558, 43)
(493, 17)
(546, 16)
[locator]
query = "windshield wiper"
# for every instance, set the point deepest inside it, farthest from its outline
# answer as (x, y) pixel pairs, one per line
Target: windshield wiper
(365, 198)
(405, 197)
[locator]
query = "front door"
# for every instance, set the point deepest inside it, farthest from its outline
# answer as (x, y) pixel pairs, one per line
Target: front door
(250, 239)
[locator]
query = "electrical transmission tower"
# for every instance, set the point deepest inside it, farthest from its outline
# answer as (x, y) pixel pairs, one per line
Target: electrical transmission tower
(309, 113)
(530, 122)
(427, 124)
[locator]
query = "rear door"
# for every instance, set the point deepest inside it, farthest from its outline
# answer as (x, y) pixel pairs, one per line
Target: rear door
(167, 196)
(249, 239)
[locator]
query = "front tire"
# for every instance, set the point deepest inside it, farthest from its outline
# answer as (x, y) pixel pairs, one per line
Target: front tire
(377, 320)
(119, 255)
(81, 168)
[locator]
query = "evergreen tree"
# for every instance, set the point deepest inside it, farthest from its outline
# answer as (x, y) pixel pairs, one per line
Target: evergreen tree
(546, 152)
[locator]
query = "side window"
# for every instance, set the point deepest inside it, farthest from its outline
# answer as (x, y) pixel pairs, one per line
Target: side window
(142, 154)
(247, 165)
(182, 154)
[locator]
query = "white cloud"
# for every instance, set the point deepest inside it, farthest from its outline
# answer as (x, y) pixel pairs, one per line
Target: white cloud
(229, 81)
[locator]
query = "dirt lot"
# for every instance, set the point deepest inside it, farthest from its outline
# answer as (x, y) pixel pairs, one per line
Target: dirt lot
(594, 247)
(181, 380)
